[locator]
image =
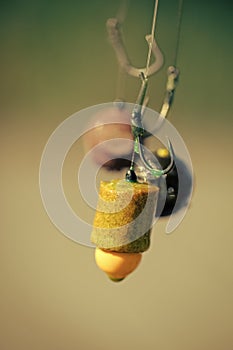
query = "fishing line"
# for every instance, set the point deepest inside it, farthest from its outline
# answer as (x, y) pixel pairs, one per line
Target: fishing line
(152, 35)
(178, 31)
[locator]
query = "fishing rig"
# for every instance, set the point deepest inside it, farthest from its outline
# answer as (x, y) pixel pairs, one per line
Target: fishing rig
(165, 155)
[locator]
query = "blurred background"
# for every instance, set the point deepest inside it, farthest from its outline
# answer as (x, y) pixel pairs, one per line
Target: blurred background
(55, 61)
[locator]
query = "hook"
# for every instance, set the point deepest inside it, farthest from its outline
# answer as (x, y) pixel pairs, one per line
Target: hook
(115, 37)
(113, 28)
(154, 171)
(138, 132)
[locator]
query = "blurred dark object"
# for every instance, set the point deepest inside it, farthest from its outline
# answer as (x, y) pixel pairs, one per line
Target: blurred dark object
(131, 176)
(117, 164)
(172, 181)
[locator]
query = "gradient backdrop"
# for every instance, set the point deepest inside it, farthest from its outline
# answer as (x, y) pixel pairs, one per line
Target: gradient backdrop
(56, 60)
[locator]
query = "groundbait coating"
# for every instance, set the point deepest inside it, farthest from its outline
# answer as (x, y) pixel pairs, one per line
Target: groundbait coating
(124, 216)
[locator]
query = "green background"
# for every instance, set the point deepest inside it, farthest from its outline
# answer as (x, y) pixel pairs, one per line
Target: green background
(56, 60)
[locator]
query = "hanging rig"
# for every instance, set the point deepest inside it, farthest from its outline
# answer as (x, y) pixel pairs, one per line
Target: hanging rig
(139, 133)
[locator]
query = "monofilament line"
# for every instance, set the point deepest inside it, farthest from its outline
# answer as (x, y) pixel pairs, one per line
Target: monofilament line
(178, 30)
(152, 35)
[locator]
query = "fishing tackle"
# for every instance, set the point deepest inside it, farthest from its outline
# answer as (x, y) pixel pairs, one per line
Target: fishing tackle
(168, 169)
(138, 133)
(126, 208)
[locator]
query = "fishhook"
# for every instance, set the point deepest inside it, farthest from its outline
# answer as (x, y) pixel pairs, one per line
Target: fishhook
(113, 27)
(115, 37)
(138, 132)
(154, 171)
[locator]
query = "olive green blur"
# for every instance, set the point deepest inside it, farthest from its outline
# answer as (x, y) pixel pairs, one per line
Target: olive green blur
(56, 60)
